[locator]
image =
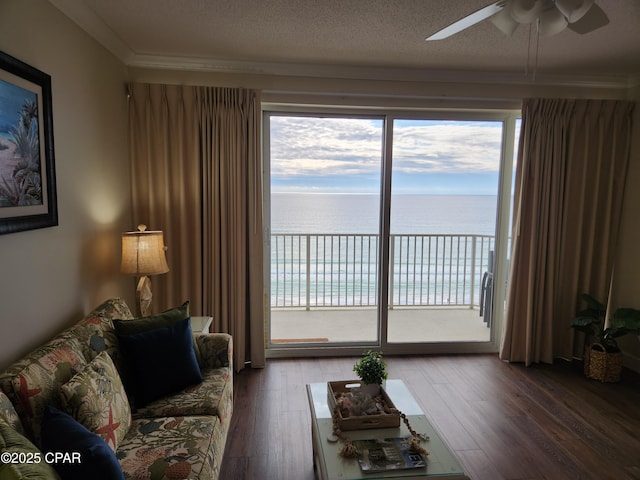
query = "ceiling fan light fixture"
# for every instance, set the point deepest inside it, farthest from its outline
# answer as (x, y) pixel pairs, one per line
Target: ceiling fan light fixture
(504, 22)
(551, 22)
(550, 17)
(574, 10)
(525, 11)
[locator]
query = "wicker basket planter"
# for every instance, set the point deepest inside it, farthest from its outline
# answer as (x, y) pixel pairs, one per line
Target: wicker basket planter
(381, 420)
(602, 365)
(595, 323)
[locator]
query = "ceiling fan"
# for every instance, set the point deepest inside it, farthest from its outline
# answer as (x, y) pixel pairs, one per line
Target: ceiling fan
(549, 16)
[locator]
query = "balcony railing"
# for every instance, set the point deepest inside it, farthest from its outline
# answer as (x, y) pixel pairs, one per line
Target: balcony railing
(337, 270)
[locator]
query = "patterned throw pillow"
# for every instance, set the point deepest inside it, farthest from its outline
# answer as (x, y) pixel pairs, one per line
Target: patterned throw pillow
(96, 398)
(37, 385)
(95, 331)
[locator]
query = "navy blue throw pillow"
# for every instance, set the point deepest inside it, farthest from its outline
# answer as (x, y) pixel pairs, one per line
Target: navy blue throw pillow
(88, 455)
(160, 361)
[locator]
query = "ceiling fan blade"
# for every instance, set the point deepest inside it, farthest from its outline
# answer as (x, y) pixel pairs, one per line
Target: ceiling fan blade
(592, 20)
(469, 20)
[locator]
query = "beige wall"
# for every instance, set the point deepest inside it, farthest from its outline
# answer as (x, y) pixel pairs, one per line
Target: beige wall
(50, 277)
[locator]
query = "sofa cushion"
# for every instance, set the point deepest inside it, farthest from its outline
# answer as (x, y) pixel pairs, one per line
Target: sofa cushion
(96, 398)
(160, 361)
(62, 433)
(143, 324)
(14, 443)
(173, 448)
(38, 383)
(211, 397)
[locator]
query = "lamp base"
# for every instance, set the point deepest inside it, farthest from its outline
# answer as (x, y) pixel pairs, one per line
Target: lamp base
(144, 296)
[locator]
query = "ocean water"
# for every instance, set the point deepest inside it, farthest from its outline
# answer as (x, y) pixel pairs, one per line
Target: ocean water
(324, 249)
(410, 214)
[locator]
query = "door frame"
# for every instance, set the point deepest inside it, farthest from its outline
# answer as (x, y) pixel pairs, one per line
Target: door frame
(504, 194)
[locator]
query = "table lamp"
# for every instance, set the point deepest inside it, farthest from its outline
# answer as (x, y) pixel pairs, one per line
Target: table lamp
(143, 254)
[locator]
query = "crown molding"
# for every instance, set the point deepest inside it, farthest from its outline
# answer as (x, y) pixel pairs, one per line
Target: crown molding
(426, 74)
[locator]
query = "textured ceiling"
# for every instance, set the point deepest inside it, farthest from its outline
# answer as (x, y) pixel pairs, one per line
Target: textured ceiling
(385, 34)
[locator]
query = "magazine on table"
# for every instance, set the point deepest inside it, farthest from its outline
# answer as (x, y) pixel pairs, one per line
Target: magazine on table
(379, 455)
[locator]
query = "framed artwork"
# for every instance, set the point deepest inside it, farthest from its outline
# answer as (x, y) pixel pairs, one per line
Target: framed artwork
(27, 170)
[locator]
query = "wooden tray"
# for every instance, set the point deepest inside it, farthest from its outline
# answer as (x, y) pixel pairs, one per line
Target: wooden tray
(382, 420)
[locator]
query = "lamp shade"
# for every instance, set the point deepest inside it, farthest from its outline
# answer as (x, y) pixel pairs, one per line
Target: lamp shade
(143, 253)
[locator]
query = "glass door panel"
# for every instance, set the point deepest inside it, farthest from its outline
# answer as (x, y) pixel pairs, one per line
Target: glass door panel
(444, 191)
(325, 175)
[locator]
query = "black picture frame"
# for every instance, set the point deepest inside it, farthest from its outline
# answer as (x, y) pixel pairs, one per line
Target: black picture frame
(28, 198)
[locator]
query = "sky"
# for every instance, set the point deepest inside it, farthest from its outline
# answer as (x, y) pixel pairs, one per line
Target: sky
(343, 155)
(12, 97)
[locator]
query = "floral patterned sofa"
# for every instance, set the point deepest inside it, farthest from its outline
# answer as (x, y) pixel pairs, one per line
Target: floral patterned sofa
(87, 391)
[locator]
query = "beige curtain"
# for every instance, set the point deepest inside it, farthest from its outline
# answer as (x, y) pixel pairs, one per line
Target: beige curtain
(572, 161)
(196, 176)
(232, 217)
(166, 186)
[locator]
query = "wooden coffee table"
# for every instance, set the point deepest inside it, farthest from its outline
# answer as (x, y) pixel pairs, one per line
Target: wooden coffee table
(441, 463)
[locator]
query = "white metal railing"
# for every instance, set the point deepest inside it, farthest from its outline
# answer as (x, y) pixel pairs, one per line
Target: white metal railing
(336, 270)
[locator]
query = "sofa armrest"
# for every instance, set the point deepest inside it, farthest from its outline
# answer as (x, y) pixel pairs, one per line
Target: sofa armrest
(213, 350)
(8, 413)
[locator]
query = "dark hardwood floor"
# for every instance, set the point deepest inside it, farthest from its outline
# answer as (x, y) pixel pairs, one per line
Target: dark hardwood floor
(503, 421)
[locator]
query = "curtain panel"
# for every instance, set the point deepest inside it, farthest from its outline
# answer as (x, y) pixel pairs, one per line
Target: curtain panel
(196, 175)
(229, 125)
(570, 178)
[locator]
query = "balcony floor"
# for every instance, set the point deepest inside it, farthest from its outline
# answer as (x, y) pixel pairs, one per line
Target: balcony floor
(414, 325)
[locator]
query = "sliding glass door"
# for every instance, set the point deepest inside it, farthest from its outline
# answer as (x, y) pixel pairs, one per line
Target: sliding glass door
(382, 228)
(324, 208)
(444, 200)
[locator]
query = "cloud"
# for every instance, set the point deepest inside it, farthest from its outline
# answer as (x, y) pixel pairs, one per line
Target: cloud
(441, 147)
(308, 151)
(303, 146)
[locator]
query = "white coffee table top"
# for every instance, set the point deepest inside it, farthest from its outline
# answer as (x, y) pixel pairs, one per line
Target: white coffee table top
(441, 463)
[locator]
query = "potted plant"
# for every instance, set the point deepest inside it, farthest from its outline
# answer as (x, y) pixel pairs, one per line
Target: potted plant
(371, 368)
(603, 358)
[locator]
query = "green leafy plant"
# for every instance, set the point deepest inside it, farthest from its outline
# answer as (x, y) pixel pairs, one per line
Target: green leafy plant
(24, 185)
(592, 322)
(371, 368)
(25, 135)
